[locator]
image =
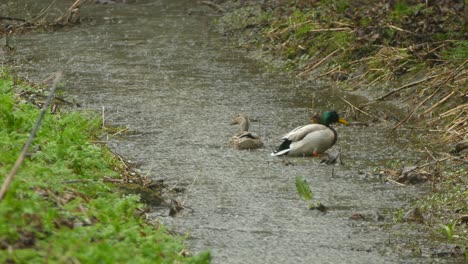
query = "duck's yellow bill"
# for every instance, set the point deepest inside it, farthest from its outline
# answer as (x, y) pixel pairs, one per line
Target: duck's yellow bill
(342, 121)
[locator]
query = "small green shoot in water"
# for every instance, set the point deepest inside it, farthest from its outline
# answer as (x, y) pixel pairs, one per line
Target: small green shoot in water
(303, 189)
(448, 230)
(306, 194)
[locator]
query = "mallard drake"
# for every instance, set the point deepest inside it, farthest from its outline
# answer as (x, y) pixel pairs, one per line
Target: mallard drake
(312, 139)
(244, 139)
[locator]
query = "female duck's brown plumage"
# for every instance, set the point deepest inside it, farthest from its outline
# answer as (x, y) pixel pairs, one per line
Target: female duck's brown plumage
(244, 139)
(312, 139)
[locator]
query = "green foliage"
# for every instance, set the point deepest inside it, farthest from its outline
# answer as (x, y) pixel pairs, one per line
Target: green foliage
(303, 189)
(339, 6)
(243, 17)
(342, 5)
(459, 51)
(398, 215)
(448, 36)
(303, 33)
(448, 230)
(306, 194)
(341, 39)
(303, 30)
(403, 9)
(364, 21)
(45, 219)
(447, 204)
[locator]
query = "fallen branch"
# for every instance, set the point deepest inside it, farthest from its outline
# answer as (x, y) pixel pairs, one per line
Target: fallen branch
(23, 154)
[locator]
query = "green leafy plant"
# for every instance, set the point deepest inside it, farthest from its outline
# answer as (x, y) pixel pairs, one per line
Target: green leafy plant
(448, 230)
(306, 194)
(398, 215)
(459, 51)
(402, 9)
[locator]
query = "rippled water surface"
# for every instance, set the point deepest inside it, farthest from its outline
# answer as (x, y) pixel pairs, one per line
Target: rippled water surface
(158, 68)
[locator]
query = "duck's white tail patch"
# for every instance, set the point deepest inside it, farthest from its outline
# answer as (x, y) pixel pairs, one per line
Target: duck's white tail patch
(280, 153)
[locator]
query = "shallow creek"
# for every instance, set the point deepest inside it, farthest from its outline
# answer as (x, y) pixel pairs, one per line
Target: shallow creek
(159, 68)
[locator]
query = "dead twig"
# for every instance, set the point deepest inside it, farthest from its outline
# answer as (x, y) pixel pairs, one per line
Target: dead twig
(77, 181)
(113, 180)
(335, 69)
(439, 103)
(214, 6)
(454, 73)
(400, 29)
(72, 15)
(22, 156)
(318, 63)
(408, 85)
(355, 107)
(454, 110)
(40, 15)
(397, 183)
(12, 18)
(330, 29)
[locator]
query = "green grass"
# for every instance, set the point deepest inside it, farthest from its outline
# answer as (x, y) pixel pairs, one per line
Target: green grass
(459, 51)
(403, 9)
(45, 218)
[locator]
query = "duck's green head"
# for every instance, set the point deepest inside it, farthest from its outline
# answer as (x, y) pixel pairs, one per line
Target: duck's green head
(331, 117)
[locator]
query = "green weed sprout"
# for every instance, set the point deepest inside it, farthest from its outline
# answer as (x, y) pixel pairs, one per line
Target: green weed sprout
(448, 230)
(305, 193)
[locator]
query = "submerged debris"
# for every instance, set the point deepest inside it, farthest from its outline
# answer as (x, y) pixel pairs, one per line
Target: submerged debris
(413, 175)
(459, 147)
(357, 216)
(414, 215)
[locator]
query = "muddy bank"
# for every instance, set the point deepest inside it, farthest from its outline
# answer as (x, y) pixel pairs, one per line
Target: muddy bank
(159, 68)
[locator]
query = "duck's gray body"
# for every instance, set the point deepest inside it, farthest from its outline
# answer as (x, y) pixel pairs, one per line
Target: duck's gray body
(244, 139)
(312, 139)
(308, 140)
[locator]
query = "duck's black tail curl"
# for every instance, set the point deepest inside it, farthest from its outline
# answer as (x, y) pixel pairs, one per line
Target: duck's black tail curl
(283, 149)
